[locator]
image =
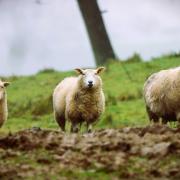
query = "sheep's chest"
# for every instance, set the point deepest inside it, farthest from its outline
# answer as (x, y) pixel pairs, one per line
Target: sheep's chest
(85, 109)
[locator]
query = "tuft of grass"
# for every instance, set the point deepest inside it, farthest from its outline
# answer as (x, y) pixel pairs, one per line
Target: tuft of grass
(134, 58)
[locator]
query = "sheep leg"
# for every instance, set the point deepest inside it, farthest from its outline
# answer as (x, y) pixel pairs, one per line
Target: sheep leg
(164, 121)
(74, 127)
(152, 116)
(89, 128)
(1, 122)
(178, 119)
(60, 119)
(80, 124)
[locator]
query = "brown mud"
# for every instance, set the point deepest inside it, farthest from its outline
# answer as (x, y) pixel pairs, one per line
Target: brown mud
(151, 152)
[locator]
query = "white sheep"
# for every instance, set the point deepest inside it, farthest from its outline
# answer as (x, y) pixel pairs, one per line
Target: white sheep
(162, 96)
(79, 99)
(3, 102)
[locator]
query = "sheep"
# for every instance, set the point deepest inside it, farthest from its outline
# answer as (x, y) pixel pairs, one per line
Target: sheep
(162, 96)
(3, 102)
(79, 99)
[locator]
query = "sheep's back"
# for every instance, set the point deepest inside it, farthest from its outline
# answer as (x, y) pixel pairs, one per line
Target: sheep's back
(162, 91)
(61, 91)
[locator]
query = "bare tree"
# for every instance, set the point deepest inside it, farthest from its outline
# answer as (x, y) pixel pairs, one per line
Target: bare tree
(98, 36)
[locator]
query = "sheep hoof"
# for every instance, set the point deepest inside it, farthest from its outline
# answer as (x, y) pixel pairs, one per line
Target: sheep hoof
(89, 131)
(62, 130)
(74, 129)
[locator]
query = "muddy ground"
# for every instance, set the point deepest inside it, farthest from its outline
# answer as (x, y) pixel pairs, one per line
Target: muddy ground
(130, 153)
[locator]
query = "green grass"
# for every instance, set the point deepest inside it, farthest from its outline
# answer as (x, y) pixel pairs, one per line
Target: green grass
(30, 105)
(30, 97)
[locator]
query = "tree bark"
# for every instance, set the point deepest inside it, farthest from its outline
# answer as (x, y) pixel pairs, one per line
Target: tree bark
(98, 36)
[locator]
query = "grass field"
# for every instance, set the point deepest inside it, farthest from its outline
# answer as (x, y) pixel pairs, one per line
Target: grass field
(119, 151)
(30, 97)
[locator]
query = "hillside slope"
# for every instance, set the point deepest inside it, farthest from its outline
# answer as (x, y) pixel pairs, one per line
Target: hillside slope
(30, 102)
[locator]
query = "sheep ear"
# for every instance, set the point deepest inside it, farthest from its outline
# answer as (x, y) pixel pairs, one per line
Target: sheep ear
(6, 84)
(100, 69)
(79, 71)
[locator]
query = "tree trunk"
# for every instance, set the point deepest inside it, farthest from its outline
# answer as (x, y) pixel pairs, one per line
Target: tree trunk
(96, 30)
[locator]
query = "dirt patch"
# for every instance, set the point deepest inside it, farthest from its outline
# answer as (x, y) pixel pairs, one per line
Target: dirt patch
(134, 153)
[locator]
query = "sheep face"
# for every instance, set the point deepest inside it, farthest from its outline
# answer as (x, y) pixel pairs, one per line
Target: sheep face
(2, 89)
(89, 78)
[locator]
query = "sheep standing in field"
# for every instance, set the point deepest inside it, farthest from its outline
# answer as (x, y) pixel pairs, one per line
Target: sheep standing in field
(3, 102)
(162, 96)
(79, 99)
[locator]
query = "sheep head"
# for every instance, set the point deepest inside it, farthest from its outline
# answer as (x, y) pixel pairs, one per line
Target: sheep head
(3, 85)
(89, 78)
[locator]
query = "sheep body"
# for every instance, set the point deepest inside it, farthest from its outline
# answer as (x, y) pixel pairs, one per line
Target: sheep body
(71, 101)
(3, 103)
(162, 95)
(3, 111)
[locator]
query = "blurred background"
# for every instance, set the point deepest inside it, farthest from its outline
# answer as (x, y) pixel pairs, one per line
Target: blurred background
(63, 34)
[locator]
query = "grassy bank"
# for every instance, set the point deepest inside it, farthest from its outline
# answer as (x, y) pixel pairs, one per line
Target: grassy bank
(30, 101)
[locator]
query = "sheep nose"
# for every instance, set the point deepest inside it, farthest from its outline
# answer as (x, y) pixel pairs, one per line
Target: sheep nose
(90, 83)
